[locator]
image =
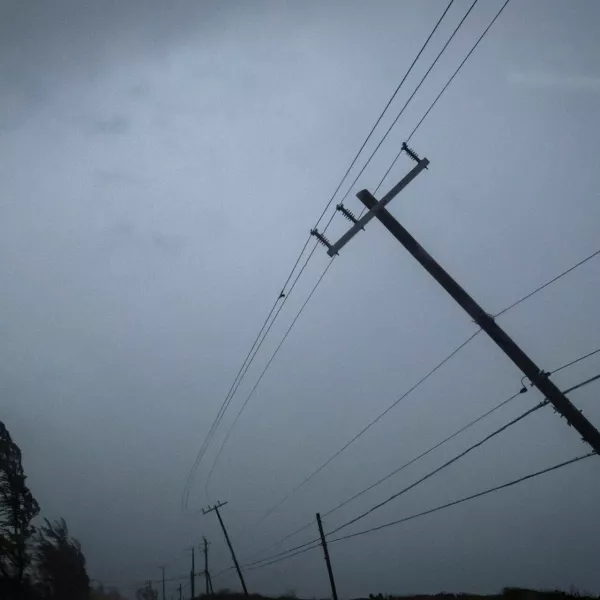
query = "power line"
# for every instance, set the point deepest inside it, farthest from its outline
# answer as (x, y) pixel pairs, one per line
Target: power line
(364, 430)
(250, 356)
(445, 465)
(433, 510)
(419, 481)
(551, 281)
(289, 553)
(248, 360)
(410, 98)
(435, 447)
(582, 384)
(383, 113)
(466, 498)
(576, 360)
(246, 365)
(444, 89)
(438, 470)
(239, 414)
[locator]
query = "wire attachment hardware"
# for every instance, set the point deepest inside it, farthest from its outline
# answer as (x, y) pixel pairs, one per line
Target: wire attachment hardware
(411, 153)
(322, 239)
(347, 213)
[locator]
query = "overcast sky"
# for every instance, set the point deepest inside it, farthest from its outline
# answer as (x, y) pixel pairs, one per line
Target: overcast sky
(161, 166)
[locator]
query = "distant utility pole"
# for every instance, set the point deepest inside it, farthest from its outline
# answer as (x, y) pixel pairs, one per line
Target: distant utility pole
(235, 562)
(193, 575)
(163, 583)
(539, 378)
(327, 559)
(180, 592)
(207, 579)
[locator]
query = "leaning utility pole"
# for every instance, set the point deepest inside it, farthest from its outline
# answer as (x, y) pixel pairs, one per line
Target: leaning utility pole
(163, 583)
(193, 576)
(539, 378)
(207, 579)
(235, 562)
(327, 560)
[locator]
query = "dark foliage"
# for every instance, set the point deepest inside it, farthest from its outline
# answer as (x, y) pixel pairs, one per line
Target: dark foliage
(60, 564)
(18, 508)
(146, 593)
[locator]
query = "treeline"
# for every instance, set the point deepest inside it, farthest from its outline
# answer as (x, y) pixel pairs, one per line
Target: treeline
(37, 562)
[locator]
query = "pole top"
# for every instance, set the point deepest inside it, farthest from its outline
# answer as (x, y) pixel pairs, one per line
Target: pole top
(211, 508)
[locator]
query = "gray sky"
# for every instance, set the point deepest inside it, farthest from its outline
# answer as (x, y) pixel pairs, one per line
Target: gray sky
(162, 165)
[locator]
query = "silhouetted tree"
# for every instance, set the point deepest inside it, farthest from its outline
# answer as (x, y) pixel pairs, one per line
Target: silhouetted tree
(61, 572)
(99, 593)
(18, 507)
(146, 593)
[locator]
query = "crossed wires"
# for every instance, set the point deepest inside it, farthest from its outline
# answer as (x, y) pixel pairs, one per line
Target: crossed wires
(455, 31)
(423, 379)
(284, 294)
(314, 542)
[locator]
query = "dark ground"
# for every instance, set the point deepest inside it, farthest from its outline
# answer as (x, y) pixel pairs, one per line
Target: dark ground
(507, 594)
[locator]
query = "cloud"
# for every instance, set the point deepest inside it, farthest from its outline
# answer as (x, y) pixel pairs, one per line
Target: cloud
(117, 125)
(555, 81)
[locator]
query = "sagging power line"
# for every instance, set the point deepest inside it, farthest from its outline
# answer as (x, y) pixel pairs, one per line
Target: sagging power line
(314, 543)
(411, 390)
(441, 93)
(284, 294)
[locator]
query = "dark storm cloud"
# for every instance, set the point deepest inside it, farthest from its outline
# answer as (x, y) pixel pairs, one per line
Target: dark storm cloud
(162, 164)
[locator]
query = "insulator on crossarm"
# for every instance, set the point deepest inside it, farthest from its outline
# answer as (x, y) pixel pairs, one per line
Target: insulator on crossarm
(322, 239)
(410, 152)
(347, 213)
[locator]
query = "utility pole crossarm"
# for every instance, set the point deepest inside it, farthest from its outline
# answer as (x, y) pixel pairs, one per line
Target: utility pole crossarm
(334, 249)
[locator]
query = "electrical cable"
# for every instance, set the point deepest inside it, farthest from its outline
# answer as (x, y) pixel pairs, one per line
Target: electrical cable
(466, 498)
(424, 513)
(445, 465)
(444, 89)
(409, 99)
(551, 281)
(582, 384)
(435, 447)
(569, 364)
(248, 360)
(241, 410)
(364, 430)
(526, 297)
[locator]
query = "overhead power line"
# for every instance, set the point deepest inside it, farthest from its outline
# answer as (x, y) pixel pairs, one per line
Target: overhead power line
(364, 430)
(444, 466)
(435, 447)
(550, 282)
(241, 410)
(284, 294)
(421, 480)
(443, 90)
(491, 490)
(384, 111)
(427, 375)
(457, 28)
(424, 513)
(569, 364)
(256, 345)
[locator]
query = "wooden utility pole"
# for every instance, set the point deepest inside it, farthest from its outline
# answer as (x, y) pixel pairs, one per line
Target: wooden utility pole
(215, 508)
(537, 376)
(207, 579)
(193, 575)
(327, 559)
(163, 583)
(180, 592)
